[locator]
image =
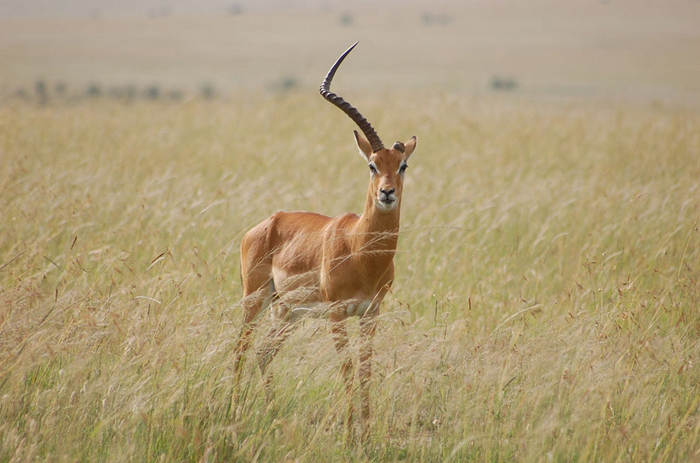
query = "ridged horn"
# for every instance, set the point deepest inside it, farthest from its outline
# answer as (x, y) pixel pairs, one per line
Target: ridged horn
(347, 108)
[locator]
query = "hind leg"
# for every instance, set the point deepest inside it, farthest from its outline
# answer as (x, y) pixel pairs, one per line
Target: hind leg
(285, 318)
(271, 346)
(257, 291)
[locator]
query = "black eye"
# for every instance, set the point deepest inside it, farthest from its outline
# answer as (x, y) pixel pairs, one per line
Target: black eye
(403, 168)
(372, 169)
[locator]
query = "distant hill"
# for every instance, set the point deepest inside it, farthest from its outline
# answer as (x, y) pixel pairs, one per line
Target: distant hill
(159, 8)
(642, 49)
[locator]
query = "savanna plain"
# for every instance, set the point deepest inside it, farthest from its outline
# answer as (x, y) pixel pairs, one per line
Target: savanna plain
(546, 300)
(545, 307)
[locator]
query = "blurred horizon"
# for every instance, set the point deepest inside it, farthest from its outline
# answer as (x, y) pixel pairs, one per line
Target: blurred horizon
(637, 50)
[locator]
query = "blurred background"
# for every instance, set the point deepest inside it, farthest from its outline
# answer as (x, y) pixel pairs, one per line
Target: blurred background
(638, 50)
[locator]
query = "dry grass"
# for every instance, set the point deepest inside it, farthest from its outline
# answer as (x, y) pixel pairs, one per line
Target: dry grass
(546, 304)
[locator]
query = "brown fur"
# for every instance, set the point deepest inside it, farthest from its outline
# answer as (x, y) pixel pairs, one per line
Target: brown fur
(336, 263)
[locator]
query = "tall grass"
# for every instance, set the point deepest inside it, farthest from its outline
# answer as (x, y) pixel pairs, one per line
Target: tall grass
(545, 307)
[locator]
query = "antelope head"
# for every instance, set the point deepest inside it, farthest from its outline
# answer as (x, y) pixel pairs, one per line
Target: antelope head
(386, 165)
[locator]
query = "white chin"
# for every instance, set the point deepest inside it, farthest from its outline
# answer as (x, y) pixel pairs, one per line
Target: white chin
(386, 207)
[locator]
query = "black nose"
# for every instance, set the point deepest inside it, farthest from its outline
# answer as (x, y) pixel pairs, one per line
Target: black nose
(387, 192)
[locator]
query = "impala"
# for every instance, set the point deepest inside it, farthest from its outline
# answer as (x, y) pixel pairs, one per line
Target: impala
(300, 262)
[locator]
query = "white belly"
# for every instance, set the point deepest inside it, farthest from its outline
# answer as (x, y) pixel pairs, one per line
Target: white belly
(299, 296)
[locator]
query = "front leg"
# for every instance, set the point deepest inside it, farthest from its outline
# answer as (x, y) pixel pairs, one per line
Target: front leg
(340, 339)
(368, 327)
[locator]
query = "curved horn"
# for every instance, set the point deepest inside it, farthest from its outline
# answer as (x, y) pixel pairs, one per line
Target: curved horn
(347, 108)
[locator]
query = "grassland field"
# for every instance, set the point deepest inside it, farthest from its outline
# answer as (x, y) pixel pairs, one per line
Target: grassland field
(546, 301)
(545, 306)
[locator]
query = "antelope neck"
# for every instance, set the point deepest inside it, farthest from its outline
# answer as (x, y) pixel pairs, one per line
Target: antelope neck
(374, 223)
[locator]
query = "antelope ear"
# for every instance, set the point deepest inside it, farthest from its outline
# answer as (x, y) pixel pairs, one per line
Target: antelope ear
(410, 147)
(363, 145)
